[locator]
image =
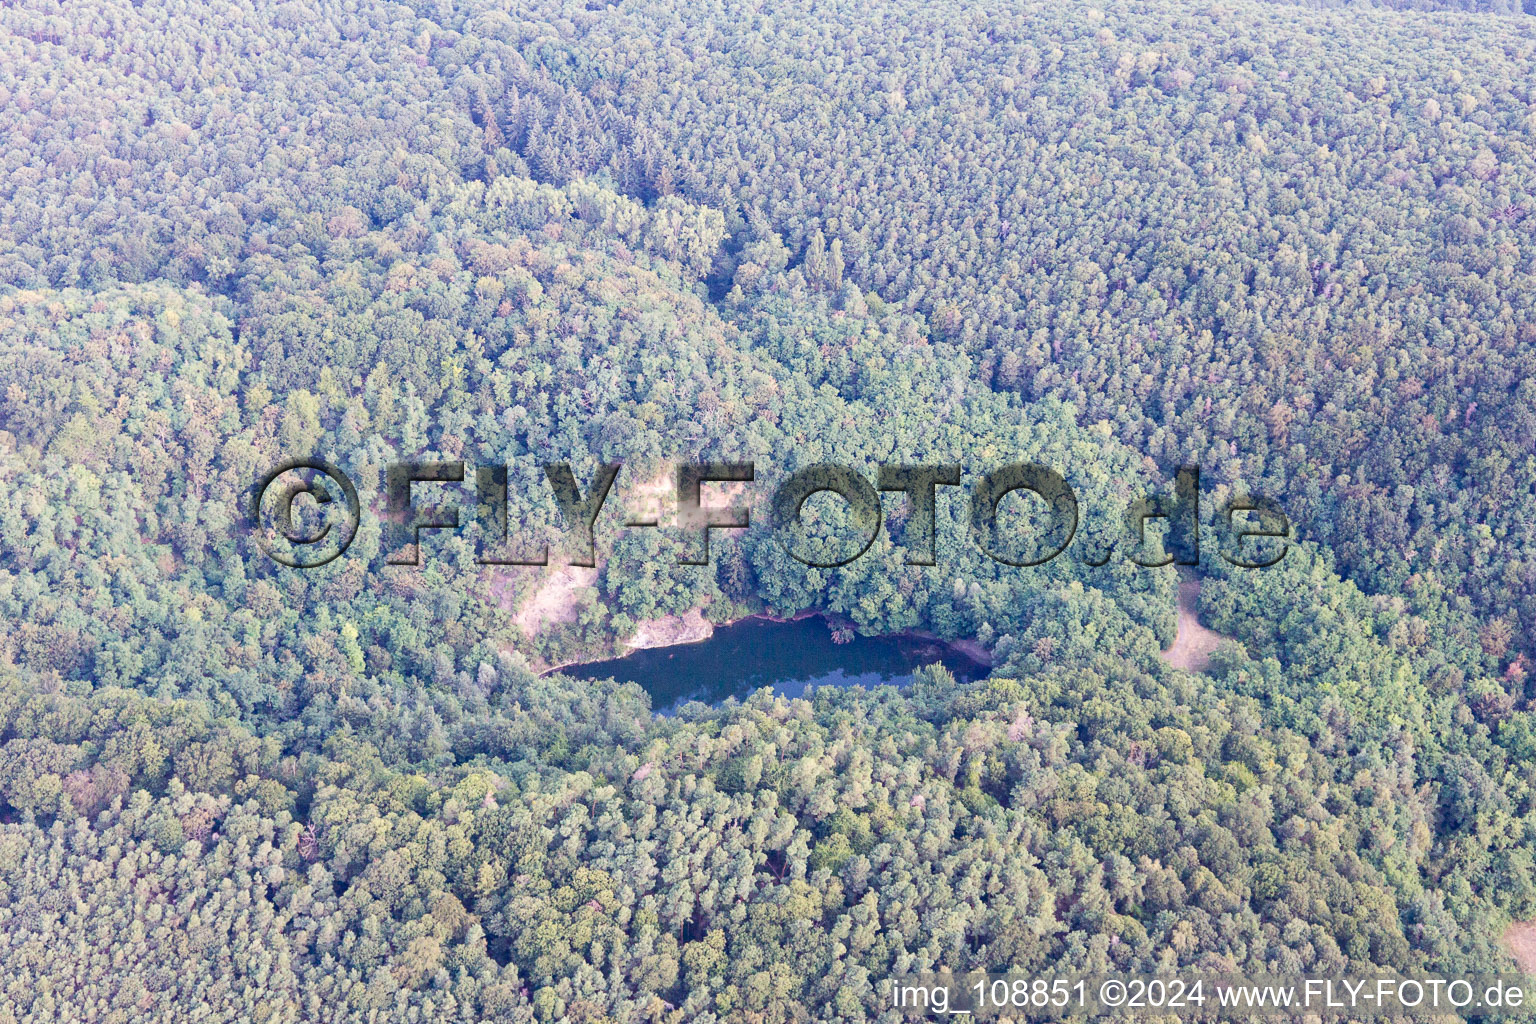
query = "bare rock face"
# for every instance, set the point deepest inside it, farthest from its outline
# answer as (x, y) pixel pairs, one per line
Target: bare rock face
(670, 630)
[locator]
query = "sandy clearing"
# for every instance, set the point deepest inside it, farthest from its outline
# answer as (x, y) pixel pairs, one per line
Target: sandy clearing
(1520, 940)
(1194, 643)
(556, 600)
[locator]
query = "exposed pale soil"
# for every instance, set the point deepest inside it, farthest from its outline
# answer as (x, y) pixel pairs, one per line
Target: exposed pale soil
(1194, 644)
(1520, 940)
(558, 598)
(669, 630)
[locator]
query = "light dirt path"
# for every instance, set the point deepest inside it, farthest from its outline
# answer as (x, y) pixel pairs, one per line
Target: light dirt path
(1194, 643)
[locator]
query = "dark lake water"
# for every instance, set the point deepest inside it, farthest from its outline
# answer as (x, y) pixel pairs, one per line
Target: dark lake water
(788, 656)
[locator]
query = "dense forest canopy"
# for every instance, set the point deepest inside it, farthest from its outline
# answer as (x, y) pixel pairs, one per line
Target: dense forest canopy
(1290, 244)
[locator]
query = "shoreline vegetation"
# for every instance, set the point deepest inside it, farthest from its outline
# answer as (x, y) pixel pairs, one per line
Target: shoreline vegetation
(1191, 650)
(692, 627)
